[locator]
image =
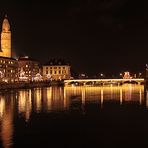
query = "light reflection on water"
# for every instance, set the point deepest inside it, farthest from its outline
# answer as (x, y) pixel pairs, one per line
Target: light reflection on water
(23, 103)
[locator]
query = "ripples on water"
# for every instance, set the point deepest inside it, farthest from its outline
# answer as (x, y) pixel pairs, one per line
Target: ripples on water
(25, 112)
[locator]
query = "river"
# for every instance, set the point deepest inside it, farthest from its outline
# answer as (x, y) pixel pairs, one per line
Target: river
(74, 116)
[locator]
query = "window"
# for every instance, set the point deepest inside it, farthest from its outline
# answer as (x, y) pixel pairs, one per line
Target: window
(55, 72)
(46, 72)
(63, 67)
(50, 71)
(55, 67)
(50, 67)
(59, 71)
(63, 72)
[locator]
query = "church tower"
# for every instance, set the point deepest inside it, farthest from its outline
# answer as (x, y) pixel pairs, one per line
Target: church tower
(5, 39)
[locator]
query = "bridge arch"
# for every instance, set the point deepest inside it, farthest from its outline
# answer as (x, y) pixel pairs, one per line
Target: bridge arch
(131, 82)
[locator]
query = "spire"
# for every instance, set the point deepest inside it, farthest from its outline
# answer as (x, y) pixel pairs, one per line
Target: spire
(6, 16)
(5, 25)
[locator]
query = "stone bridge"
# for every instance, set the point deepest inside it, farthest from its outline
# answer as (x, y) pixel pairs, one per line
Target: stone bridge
(78, 82)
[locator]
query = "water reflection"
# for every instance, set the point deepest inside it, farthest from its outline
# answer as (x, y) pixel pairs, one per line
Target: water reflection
(24, 103)
(146, 98)
(6, 120)
(125, 93)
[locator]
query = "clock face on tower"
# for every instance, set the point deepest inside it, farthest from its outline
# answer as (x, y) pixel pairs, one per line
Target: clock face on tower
(5, 36)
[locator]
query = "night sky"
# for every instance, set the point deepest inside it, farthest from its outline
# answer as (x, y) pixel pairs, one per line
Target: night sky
(96, 36)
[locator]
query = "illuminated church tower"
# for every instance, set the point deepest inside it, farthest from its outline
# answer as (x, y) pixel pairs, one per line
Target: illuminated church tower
(5, 39)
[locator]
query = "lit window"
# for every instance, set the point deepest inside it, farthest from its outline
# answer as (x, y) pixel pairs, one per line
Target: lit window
(26, 65)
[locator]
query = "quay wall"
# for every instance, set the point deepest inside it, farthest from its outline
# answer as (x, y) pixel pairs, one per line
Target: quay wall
(23, 85)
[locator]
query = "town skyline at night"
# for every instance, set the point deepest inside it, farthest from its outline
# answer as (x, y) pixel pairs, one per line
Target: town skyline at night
(109, 42)
(73, 73)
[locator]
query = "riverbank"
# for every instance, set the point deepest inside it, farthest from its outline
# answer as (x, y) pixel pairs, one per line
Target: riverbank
(24, 85)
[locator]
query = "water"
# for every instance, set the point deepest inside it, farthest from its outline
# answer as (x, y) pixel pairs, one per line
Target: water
(74, 117)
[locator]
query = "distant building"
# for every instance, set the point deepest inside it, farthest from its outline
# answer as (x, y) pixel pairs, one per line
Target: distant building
(127, 75)
(57, 70)
(28, 68)
(82, 76)
(146, 73)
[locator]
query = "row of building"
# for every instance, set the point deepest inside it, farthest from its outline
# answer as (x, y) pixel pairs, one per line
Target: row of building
(25, 68)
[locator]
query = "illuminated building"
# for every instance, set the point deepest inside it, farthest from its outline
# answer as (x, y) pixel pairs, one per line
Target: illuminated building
(8, 69)
(5, 39)
(27, 68)
(126, 75)
(8, 65)
(57, 70)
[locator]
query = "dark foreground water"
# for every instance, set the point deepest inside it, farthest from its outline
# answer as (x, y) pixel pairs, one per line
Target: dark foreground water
(113, 116)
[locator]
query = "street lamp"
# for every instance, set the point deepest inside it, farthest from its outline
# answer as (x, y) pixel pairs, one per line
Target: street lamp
(140, 74)
(121, 75)
(101, 74)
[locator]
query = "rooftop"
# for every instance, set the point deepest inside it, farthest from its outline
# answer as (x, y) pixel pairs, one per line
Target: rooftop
(55, 62)
(1, 57)
(26, 58)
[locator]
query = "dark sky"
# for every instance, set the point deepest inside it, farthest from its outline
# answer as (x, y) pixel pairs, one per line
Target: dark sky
(95, 35)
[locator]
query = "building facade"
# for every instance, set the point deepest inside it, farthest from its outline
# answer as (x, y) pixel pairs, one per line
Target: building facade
(8, 69)
(56, 70)
(28, 69)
